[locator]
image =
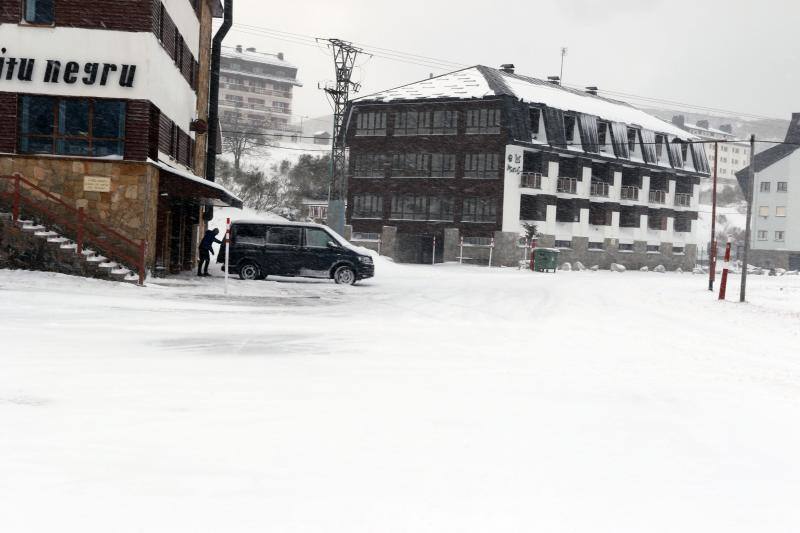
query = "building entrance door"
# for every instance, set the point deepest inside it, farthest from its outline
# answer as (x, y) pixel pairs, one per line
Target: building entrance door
(794, 261)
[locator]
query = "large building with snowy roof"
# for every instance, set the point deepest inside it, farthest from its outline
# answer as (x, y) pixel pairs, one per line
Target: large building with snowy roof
(481, 153)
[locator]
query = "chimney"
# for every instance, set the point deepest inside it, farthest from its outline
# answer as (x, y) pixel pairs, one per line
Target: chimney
(239, 48)
(280, 56)
(592, 90)
(679, 120)
(555, 80)
(793, 133)
(702, 124)
(727, 128)
(507, 68)
(251, 49)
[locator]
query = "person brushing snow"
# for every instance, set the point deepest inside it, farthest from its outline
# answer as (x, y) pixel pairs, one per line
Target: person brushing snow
(206, 249)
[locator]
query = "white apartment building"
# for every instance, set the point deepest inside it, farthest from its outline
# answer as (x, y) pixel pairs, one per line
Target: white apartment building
(775, 226)
(733, 157)
(255, 92)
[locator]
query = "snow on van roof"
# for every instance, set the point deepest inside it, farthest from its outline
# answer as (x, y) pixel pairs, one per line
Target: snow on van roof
(480, 82)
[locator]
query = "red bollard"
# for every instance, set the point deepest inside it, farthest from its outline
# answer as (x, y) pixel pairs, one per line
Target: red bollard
(533, 247)
(725, 266)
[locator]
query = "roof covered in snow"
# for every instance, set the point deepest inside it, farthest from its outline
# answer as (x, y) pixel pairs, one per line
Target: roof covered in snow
(481, 82)
(256, 57)
(772, 155)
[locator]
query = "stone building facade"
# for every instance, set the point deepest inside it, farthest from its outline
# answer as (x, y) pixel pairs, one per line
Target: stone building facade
(132, 122)
(482, 154)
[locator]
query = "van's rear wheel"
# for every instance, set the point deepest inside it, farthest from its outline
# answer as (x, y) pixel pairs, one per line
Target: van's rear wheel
(344, 275)
(250, 271)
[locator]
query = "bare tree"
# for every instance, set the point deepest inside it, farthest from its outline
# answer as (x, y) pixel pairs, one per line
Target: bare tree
(241, 137)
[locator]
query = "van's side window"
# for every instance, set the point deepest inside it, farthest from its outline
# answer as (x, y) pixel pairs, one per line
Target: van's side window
(317, 238)
(250, 234)
(283, 236)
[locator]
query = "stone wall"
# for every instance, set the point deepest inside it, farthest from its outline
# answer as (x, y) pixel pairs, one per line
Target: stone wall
(129, 207)
(773, 258)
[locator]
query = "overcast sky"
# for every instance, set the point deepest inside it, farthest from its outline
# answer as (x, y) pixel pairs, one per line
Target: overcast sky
(731, 54)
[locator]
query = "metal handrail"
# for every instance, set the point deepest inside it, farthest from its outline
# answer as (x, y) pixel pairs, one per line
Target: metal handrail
(683, 199)
(531, 180)
(567, 185)
(78, 223)
(658, 197)
(598, 188)
(629, 192)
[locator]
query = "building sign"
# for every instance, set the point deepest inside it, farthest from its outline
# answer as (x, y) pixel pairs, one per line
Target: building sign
(96, 184)
(62, 71)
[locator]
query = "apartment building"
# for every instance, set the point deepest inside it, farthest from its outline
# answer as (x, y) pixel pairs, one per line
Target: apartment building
(732, 156)
(104, 107)
(256, 93)
(478, 154)
(775, 225)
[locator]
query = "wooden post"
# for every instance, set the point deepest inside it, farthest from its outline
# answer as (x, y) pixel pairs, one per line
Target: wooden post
(15, 208)
(79, 249)
(142, 261)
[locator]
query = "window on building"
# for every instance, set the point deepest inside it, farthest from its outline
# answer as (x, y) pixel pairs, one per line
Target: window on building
(407, 122)
(659, 146)
(371, 123)
(632, 137)
(479, 210)
(762, 235)
(763, 211)
(443, 165)
(626, 247)
(444, 123)
(764, 186)
(367, 206)
(653, 248)
(71, 126)
(411, 165)
(677, 250)
(562, 244)
(596, 245)
(682, 224)
(39, 11)
(535, 114)
(657, 221)
(779, 236)
(483, 121)
(369, 165)
(283, 236)
(780, 211)
(783, 186)
(723, 159)
(602, 135)
(482, 166)
(569, 128)
(418, 207)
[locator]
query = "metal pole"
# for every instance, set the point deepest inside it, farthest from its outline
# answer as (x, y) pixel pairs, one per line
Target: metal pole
(712, 256)
(751, 178)
(491, 249)
(433, 255)
(461, 251)
(227, 250)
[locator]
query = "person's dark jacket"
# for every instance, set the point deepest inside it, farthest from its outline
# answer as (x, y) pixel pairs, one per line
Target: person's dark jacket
(209, 239)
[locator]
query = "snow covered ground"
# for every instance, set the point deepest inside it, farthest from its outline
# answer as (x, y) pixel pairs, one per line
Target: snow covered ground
(429, 399)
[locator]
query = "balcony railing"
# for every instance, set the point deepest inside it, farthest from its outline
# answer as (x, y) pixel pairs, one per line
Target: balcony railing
(599, 188)
(629, 192)
(658, 197)
(531, 180)
(567, 185)
(254, 90)
(683, 199)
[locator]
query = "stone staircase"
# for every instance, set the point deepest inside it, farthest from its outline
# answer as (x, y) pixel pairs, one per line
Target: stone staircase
(25, 244)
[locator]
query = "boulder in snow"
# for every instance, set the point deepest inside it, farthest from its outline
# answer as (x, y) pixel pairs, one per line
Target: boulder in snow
(644, 269)
(679, 270)
(780, 271)
(616, 267)
(697, 270)
(660, 269)
(594, 268)
(577, 265)
(565, 266)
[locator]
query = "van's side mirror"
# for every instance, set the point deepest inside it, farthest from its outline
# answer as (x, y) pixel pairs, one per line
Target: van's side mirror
(332, 244)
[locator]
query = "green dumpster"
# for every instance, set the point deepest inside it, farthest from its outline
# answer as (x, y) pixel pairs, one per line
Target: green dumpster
(545, 259)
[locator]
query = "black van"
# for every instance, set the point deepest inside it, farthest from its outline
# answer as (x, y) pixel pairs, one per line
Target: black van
(259, 249)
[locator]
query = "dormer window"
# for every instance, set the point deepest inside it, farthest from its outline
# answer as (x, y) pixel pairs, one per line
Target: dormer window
(569, 128)
(39, 11)
(659, 146)
(535, 114)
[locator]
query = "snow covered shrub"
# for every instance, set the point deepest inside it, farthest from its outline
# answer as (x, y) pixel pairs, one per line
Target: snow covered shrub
(660, 269)
(616, 267)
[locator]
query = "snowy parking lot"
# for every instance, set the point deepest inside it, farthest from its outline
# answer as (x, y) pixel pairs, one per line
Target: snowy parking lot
(427, 399)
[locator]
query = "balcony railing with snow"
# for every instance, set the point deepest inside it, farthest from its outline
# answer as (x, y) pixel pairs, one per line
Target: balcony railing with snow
(683, 199)
(599, 188)
(658, 197)
(567, 185)
(629, 192)
(531, 180)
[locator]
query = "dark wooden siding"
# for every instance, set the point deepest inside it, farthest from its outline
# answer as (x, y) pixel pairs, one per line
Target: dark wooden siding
(130, 15)
(8, 119)
(137, 130)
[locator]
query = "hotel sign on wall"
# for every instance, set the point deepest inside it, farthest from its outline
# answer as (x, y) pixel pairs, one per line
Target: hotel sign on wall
(96, 184)
(27, 69)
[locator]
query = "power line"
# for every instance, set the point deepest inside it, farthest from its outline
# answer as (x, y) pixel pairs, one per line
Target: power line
(442, 64)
